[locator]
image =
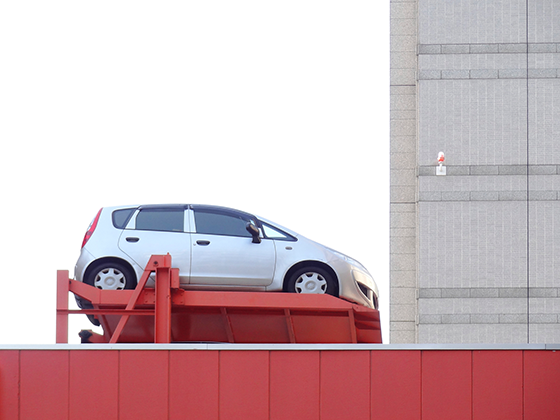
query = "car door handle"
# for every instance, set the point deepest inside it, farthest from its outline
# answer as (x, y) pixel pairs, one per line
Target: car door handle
(201, 242)
(132, 239)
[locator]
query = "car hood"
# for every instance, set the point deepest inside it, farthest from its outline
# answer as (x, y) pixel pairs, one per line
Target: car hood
(331, 250)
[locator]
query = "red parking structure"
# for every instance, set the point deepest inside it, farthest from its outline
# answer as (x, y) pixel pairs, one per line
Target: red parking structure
(168, 313)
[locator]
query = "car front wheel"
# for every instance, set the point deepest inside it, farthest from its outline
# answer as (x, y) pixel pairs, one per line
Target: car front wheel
(312, 280)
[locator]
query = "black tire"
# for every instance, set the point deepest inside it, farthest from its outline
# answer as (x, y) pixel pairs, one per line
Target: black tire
(312, 280)
(123, 278)
(86, 304)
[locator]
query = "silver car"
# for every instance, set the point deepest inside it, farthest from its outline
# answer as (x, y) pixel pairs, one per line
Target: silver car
(215, 248)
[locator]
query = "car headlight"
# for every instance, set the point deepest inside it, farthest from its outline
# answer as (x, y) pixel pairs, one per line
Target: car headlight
(349, 260)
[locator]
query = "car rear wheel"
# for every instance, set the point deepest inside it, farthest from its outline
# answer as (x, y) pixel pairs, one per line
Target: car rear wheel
(108, 276)
(111, 276)
(312, 280)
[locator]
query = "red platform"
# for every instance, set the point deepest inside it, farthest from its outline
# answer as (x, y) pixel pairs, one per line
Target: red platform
(170, 314)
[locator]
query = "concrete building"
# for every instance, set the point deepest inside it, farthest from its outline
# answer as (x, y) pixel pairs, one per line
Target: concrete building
(475, 253)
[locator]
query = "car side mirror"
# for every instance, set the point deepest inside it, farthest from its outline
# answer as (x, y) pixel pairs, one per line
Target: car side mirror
(254, 231)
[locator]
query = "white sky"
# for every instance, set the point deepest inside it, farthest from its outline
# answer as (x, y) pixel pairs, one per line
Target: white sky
(276, 108)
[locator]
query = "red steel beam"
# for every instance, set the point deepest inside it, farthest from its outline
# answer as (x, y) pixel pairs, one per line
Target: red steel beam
(155, 262)
(62, 283)
(162, 321)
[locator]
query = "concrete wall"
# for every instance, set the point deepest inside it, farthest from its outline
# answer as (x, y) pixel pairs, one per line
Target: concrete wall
(488, 95)
(403, 229)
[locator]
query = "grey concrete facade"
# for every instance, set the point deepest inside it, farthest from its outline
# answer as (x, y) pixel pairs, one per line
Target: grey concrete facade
(403, 166)
(473, 253)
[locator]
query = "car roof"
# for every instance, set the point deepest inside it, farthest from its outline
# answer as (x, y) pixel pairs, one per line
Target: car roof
(206, 207)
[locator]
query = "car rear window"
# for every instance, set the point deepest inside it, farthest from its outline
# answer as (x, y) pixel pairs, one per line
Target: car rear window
(168, 220)
(121, 217)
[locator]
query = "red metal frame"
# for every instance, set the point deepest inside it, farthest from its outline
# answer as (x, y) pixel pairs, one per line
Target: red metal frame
(168, 313)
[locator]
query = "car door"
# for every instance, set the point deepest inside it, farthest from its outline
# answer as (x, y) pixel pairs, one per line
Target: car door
(223, 251)
(158, 231)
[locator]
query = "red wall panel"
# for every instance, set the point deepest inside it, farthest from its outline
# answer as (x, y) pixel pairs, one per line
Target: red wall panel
(244, 388)
(294, 385)
(345, 384)
(143, 385)
(43, 385)
(542, 385)
(396, 385)
(9, 385)
(94, 385)
(497, 385)
(273, 384)
(193, 385)
(446, 385)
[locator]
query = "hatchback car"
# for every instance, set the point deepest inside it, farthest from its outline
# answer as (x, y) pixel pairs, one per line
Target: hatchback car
(215, 248)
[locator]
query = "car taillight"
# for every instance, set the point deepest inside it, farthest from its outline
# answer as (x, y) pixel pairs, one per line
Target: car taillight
(91, 228)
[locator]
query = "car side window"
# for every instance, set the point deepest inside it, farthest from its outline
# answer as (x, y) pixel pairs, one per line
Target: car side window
(213, 223)
(121, 217)
(166, 220)
(274, 233)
